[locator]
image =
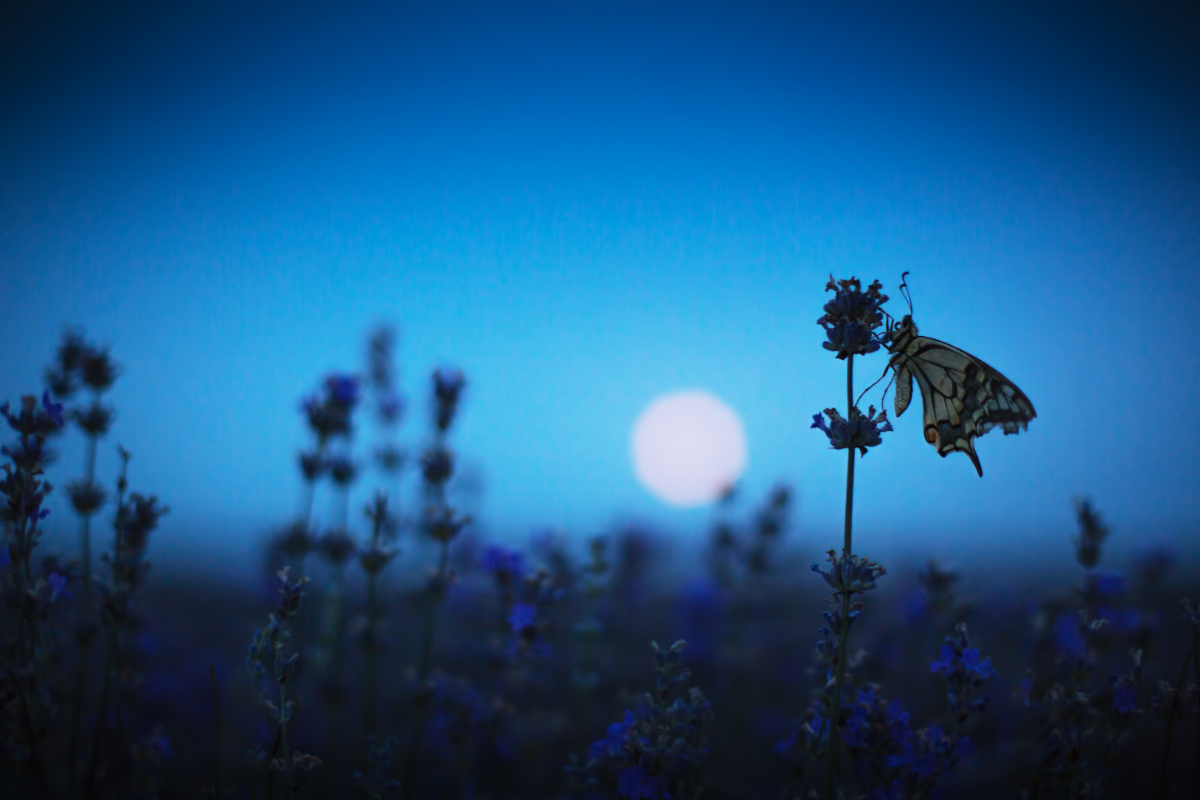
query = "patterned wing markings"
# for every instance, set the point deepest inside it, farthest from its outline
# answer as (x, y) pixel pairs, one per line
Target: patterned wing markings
(963, 397)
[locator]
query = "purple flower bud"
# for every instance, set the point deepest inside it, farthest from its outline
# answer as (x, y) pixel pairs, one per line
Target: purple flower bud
(53, 410)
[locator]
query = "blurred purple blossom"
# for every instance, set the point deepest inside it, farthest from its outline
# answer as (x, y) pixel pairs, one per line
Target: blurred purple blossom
(522, 617)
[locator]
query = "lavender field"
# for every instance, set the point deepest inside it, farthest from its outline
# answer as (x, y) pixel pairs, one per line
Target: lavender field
(391, 653)
(644, 400)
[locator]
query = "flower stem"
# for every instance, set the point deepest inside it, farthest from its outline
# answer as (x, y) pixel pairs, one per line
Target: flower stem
(370, 690)
(849, 458)
(1162, 771)
(1196, 760)
(835, 710)
(372, 632)
(424, 666)
(85, 547)
(101, 713)
(218, 792)
(813, 757)
(283, 735)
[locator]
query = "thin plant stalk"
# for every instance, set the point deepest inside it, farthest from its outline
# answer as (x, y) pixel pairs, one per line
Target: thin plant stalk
(35, 761)
(110, 663)
(369, 668)
(1196, 760)
(423, 668)
(1162, 771)
(425, 659)
(835, 713)
(85, 644)
(370, 689)
(332, 670)
(218, 792)
(283, 735)
(302, 622)
(102, 710)
(269, 780)
(23, 539)
(815, 757)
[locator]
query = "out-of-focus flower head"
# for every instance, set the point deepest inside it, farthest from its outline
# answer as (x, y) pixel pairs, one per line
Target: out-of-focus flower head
(29, 454)
(1092, 533)
(448, 385)
(1153, 565)
(95, 420)
(97, 369)
(965, 673)
(390, 458)
(861, 430)
(290, 594)
(1124, 703)
(444, 524)
(1104, 583)
(390, 408)
(851, 317)
(522, 617)
(63, 376)
(504, 565)
(938, 585)
(329, 412)
(342, 388)
(336, 547)
(34, 420)
(312, 464)
(437, 465)
(295, 541)
(78, 361)
(86, 498)
(342, 470)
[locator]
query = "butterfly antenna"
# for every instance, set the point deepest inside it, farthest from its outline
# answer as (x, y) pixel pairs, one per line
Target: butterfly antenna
(905, 292)
(873, 385)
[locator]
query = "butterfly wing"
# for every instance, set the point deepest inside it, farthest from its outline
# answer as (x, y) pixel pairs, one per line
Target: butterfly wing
(963, 397)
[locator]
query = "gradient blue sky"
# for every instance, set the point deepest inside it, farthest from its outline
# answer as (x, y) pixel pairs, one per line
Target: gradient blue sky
(587, 205)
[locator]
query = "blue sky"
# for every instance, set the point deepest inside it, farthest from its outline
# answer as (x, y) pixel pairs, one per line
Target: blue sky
(587, 205)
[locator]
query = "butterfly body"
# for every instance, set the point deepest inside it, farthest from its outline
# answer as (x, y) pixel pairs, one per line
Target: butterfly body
(963, 397)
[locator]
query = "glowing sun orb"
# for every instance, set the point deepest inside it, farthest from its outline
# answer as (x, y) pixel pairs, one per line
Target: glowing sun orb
(688, 448)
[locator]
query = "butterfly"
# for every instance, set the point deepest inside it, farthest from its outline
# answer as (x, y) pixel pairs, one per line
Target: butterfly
(963, 396)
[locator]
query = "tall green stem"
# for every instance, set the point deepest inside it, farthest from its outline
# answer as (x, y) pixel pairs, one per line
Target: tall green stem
(835, 711)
